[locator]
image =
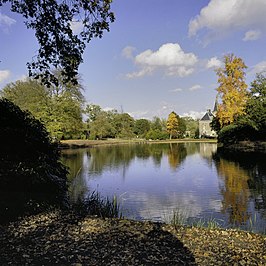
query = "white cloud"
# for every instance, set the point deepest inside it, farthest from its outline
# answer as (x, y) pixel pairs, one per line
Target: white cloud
(194, 114)
(214, 62)
(260, 67)
(170, 57)
(252, 35)
(108, 109)
(195, 87)
(127, 52)
(176, 90)
(140, 114)
(6, 20)
(223, 16)
(76, 26)
(141, 73)
(4, 74)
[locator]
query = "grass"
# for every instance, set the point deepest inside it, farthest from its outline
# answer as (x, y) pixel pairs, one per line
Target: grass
(180, 218)
(95, 204)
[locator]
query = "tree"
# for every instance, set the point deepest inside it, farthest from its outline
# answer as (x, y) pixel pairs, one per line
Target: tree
(172, 124)
(232, 90)
(101, 126)
(58, 107)
(156, 124)
(92, 111)
(192, 126)
(28, 95)
(124, 125)
(142, 126)
(256, 105)
(181, 127)
(59, 46)
(30, 166)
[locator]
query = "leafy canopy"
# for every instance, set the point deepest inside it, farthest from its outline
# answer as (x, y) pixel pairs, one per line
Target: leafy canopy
(256, 105)
(172, 124)
(232, 90)
(30, 163)
(58, 107)
(59, 46)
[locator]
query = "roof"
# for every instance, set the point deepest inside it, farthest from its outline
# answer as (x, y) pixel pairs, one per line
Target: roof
(208, 116)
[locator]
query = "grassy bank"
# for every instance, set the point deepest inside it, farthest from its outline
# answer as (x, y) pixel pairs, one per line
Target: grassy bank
(65, 144)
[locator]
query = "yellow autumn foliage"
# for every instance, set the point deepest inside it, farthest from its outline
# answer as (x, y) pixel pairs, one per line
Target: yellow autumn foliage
(232, 90)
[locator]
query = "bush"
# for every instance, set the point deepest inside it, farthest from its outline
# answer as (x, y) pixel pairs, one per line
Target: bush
(157, 134)
(234, 133)
(29, 162)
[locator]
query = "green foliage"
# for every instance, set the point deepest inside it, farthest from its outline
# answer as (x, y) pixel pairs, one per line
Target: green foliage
(141, 127)
(252, 125)
(58, 107)
(92, 111)
(102, 127)
(59, 46)
(181, 127)
(124, 125)
(29, 162)
(157, 124)
(234, 133)
(215, 124)
(256, 105)
(156, 134)
(192, 126)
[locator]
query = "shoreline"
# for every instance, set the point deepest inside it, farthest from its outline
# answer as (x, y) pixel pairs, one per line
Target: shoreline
(76, 144)
(244, 147)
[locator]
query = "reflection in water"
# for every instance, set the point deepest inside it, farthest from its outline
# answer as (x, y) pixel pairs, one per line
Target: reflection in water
(235, 191)
(176, 154)
(152, 180)
(76, 161)
(245, 179)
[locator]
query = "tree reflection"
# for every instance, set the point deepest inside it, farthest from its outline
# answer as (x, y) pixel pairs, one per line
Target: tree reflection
(254, 165)
(235, 190)
(176, 154)
(74, 159)
(109, 157)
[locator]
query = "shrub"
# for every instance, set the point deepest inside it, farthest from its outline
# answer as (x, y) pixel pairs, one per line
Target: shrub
(157, 134)
(29, 162)
(234, 133)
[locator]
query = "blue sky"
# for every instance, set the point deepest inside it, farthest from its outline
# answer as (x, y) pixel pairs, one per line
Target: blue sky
(159, 55)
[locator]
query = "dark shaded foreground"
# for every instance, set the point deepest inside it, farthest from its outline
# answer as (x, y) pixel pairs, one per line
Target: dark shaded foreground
(56, 238)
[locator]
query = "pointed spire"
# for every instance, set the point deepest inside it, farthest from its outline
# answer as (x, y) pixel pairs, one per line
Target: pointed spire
(215, 108)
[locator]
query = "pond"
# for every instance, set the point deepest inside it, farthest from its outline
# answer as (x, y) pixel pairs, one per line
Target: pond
(192, 180)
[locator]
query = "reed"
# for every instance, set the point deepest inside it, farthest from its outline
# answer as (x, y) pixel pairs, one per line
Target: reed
(95, 204)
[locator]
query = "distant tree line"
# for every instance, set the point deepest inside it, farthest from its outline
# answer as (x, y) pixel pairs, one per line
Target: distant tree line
(241, 113)
(63, 111)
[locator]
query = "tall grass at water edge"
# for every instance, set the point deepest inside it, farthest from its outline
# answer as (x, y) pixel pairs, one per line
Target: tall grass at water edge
(180, 218)
(95, 204)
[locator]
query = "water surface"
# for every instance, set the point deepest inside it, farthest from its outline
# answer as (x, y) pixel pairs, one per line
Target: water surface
(154, 180)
